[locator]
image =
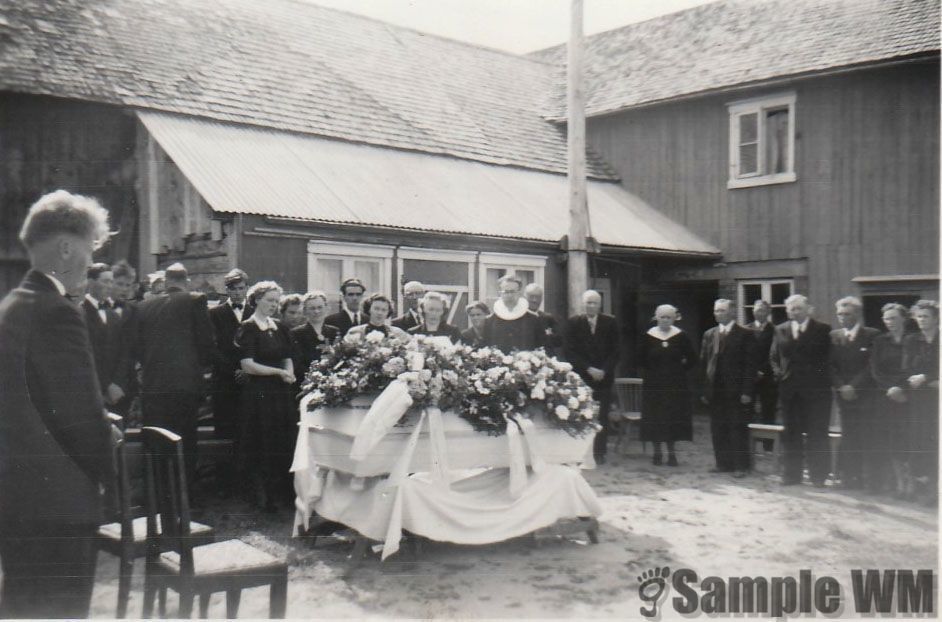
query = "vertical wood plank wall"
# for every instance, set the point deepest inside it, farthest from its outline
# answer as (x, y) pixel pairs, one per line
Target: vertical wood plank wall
(866, 201)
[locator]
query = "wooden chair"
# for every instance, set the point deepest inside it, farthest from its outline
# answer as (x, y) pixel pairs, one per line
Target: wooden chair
(174, 562)
(126, 537)
(628, 394)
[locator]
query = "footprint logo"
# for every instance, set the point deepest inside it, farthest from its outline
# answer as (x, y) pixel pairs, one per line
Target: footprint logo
(653, 584)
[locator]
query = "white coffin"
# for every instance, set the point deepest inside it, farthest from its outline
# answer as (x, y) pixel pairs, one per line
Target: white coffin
(331, 432)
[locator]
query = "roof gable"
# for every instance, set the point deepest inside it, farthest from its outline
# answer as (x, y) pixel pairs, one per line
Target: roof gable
(288, 65)
(737, 42)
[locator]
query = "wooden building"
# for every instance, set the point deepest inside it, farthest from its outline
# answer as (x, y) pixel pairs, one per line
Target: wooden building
(800, 137)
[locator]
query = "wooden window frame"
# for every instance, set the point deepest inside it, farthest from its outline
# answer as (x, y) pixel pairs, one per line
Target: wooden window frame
(435, 254)
(509, 261)
(758, 106)
(351, 251)
(766, 285)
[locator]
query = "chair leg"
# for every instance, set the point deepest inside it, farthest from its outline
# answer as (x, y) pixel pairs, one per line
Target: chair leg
(278, 597)
(232, 603)
(204, 605)
(150, 592)
(186, 603)
(124, 584)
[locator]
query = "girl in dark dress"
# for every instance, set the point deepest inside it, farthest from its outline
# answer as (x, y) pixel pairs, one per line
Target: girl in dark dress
(890, 429)
(477, 314)
(434, 307)
(665, 355)
(921, 364)
(268, 415)
(377, 308)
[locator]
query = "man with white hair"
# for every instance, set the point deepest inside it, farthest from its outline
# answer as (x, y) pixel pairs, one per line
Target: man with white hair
(593, 346)
(851, 345)
(799, 358)
(554, 338)
(411, 317)
(55, 443)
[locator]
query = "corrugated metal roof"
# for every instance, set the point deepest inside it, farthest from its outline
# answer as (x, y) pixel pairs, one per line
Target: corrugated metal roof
(250, 170)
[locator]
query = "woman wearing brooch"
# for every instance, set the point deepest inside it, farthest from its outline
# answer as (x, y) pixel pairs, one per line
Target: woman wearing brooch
(477, 315)
(268, 415)
(434, 307)
(377, 309)
(665, 355)
(513, 326)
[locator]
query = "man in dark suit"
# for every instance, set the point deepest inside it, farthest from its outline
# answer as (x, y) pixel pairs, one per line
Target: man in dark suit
(175, 344)
(228, 376)
(593, 346)
(727, 355)
(766, 394)
(412, 292)
(104, 332)
(55, 443)
(123, 306)
(349, 315)
(851, 345)
(799, 358)
(553, 335)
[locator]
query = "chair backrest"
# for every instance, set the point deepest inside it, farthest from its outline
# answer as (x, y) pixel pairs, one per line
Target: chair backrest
(628, 394)
(123, 482)
(167, 499)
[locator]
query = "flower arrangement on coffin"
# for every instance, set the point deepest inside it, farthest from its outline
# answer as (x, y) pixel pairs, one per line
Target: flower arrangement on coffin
(483, 386)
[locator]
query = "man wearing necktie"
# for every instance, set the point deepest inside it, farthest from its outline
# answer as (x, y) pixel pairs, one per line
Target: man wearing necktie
(800, 361)
(728, 357)
(349, 315)
(228, 377)
(412, 292)
(850, 375)
(766, 393)
(55, 443)
(104, 331)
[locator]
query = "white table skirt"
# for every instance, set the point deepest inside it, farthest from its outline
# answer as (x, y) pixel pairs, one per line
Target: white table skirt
(477, 508)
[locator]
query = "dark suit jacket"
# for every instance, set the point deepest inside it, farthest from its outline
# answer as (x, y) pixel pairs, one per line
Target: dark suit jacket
(801, 365)
(55, 443)
(735, 372)
(601, 350)
(524, 333)
(105, 338)
(553, 335)
(341, 320)
(764, 339)
(124, 375)
(175, 342)
(850, 360)
(306, 344)
(405, 321)
(226, 360)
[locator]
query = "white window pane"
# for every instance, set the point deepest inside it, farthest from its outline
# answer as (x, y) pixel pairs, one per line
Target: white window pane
(776, 141)
(491, 292)
(748, 159)
(748, 128)
(327, 278)
(367, 270)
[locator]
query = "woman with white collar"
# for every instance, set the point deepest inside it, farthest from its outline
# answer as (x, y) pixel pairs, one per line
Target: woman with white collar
(513, 326)
(268, 417)
(665, 355)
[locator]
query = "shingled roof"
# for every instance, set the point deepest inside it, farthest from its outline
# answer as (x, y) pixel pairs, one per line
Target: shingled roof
(738, 42)
(288, 65)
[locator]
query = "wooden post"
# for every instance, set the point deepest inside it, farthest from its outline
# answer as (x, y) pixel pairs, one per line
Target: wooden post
(578, 257)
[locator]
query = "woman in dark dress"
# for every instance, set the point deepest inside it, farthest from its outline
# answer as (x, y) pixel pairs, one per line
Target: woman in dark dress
(378, 309)
(434, 306)
(268, 415)
(665, 355)
(890, 428)
(310, 337)
(921, 365)
(477, 314)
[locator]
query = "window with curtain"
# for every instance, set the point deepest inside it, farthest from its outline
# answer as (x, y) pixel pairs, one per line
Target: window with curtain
(762, 141)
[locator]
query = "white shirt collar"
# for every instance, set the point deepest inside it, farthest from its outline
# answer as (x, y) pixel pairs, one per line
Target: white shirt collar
(268, 324)
(759, 324)
(655, 332)
(801, 326)
(851, 333)
(728, 326)
(59, 286)
(351, 314)
(92, 300)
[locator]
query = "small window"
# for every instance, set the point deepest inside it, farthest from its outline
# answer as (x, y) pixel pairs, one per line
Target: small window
(528, 268)
(330, 263)
(762, 141)
(773, 291)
